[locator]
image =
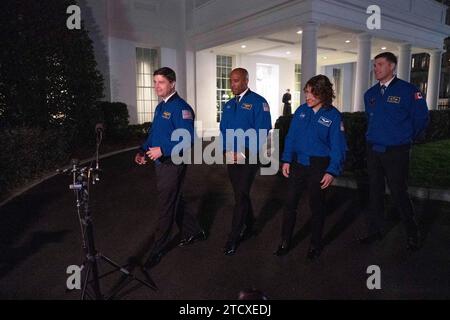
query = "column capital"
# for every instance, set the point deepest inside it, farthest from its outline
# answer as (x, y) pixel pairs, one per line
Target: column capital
(364, 37)
(435, 52)
(310, 25)
(404, 46)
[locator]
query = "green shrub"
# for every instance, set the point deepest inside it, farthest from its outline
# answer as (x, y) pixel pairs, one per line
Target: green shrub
(28, 152)
(115, 116)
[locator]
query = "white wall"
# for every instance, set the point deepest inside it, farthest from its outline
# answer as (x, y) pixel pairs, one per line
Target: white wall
(347, 73)
(286, 78)
(122, 25)
(206, 91)
(123, 74)
(191, 94)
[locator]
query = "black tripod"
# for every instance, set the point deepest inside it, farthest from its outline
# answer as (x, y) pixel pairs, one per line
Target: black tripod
(81, 181)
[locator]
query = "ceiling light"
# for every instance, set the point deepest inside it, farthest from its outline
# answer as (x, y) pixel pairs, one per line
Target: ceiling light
(383, 48)
(288, 52)
(299, 31)
(243, 46)
(347, 41)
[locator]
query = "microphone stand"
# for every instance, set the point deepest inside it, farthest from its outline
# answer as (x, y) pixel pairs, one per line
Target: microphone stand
(81, 181)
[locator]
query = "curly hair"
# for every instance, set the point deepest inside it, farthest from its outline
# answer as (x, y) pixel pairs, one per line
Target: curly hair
(322, 88)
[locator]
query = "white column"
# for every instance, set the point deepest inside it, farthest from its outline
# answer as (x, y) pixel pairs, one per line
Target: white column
(309, 55)
(434, 76)
(362, 70)
(404, 62)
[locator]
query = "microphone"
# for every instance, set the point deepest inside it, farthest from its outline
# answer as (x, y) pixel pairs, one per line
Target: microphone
(99, 128)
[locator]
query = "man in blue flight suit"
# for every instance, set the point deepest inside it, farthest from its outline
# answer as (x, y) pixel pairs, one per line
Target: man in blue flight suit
(172, 113)
(246, 111)
(397, 115)
(313, 156)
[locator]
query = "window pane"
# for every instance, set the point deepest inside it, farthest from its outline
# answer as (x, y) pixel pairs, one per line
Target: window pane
(146, 60)
(223, 69)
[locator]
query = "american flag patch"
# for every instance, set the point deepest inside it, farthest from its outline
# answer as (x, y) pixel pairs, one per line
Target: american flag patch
(418, 96)
(187, 115)
(266, 107)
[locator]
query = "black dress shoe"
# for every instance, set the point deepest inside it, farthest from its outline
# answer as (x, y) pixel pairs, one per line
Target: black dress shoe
(412, 243)
(153, 260)
(201, 236)
(313, 253)
(368, 239)
(230, 248)
(283, 249)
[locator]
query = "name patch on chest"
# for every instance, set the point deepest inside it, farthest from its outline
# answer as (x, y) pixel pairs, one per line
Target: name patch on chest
(324, 121)
(393, 99)
(247, 106)
(166, 115)
(302, 115)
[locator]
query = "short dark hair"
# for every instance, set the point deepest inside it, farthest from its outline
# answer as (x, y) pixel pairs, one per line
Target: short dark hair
(167, 73)
(389, 56)
(322, 88)
(241, 71)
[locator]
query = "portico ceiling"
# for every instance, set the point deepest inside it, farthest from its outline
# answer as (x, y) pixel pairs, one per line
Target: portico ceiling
(335, 45)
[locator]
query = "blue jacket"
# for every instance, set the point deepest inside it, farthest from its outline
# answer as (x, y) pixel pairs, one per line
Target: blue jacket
(175, 114)
(318, 134)
(396, 118)
(251, 112)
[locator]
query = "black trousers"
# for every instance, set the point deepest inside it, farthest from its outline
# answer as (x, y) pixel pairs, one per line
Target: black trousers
(241, 177)
(392, 165)
(172, 207)
(300, 178)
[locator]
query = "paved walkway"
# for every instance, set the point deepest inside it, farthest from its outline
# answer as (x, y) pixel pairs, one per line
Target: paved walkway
(40, 237)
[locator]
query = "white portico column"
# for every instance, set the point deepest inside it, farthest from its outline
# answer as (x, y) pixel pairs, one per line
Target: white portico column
(309, 55)
(362, 70)
(404, 62)
(434, 76)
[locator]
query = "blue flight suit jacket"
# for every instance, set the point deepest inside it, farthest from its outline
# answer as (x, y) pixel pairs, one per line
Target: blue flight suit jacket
(396, 118)
(318, 134)
(169, 116)
(251, 112)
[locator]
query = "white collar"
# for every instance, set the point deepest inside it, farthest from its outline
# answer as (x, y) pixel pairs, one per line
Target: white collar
(387, 83)
(242, 94)
(167, 99)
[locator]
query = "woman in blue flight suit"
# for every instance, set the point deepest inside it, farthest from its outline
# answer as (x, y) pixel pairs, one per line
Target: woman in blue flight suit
(313, 156)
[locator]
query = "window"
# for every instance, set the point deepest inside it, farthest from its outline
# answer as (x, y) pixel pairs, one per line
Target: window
(146, 64)
(224, 66)
(297, 87)
(337, 87)
(425, 62)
